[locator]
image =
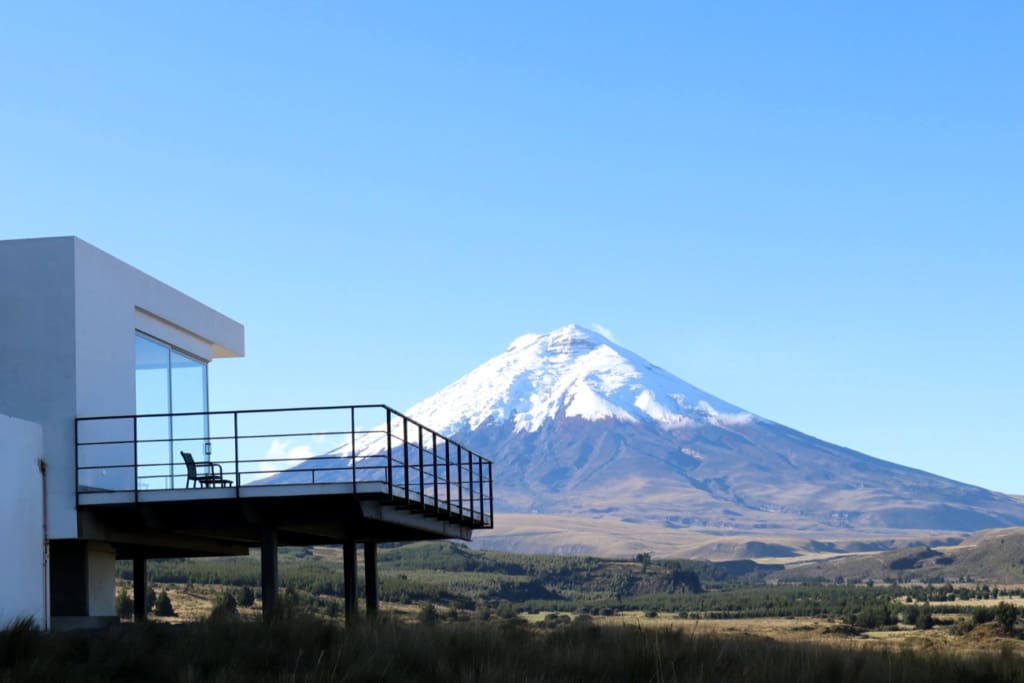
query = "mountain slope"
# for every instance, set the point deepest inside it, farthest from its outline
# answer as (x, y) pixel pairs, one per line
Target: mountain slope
(579, 425)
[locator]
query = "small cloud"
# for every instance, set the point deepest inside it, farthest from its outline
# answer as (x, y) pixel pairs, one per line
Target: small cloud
(732, 419)
(603, 331)
(281, 451)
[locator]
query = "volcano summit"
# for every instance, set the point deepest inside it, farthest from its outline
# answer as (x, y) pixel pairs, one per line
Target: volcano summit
(578, 426)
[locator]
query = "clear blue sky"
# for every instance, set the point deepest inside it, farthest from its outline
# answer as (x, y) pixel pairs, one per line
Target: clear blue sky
(813, 211)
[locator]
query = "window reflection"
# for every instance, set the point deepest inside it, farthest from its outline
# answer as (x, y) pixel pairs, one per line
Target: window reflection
(168, 381)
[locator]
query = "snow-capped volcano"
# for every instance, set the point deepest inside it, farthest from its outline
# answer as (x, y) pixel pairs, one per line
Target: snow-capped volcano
(597, 450)
(571, 372)
(578, 425)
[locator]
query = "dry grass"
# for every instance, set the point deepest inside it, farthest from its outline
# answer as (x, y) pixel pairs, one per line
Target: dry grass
(387, 650)
(194, 605)
(191, 605)
(984, 640)
(659, 648)
(567, 534)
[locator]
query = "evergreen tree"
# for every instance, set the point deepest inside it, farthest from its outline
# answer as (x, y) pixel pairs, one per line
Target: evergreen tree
(1006, 615)
(428, 614)
(225, 608)
(163, 606)
(246, 597)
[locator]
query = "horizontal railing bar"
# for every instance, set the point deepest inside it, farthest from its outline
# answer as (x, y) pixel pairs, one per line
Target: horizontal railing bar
(269, 411)
(465, 467)
(183, 439)
(238, 412)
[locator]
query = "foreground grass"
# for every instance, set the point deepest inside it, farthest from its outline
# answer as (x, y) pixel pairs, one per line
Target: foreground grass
(306, 649)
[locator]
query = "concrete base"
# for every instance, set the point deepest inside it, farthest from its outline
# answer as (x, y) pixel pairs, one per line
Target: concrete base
(83, 623)
(82, 579)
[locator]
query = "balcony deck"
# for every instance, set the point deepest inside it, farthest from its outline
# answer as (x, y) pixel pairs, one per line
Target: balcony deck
(318, 475)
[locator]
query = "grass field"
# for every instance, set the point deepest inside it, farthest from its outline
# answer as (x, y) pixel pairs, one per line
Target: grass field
(491, 616)
(194, 604)
(391, 649)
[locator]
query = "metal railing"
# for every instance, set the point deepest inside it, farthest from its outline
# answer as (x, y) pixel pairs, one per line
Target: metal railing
(372, 447)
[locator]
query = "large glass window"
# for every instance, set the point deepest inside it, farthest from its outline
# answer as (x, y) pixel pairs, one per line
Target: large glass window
(168, 382)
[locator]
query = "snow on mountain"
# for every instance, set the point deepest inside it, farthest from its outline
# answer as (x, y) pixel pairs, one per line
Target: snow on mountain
(571, 372)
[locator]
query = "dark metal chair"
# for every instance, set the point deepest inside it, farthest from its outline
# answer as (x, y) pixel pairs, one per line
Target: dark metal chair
(213, 475)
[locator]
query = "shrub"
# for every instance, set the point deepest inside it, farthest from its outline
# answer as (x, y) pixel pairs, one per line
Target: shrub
(246, 597)
(225, 608)
(123, 603)
(428, 614)
(983, 615)
(507, 611)
(163, 607)
(1006, 615)
(556, 620)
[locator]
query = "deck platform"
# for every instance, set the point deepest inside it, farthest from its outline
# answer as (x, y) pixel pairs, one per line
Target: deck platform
(333, 475)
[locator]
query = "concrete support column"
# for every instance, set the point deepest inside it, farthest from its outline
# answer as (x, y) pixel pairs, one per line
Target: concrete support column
(370, 570)
(268, 573)
(139, 588)
(351, 608)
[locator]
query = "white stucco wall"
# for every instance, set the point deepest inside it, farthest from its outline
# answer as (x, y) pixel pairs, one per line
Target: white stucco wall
(37, 356)
(22, 572)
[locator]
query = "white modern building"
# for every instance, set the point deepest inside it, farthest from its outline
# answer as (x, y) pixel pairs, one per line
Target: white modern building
(80, 332)
(103, 392)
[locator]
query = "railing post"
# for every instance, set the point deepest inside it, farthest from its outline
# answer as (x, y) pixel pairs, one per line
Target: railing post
(480, 483)
(458, 468)
(391, 485)
(423, 497)
(78, 474)
(448, 476)
(405, 458)
(135, 453)
(238, 470)
(437, 494)
(471, 492)
(352, 429)
(490, 492)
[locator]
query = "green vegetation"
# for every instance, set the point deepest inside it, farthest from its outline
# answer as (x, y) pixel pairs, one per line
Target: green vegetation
(453, 575)
(306, 649)
(1006, 616)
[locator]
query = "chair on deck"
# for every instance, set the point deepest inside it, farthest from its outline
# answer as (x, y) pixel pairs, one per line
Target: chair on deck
(212, 476)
